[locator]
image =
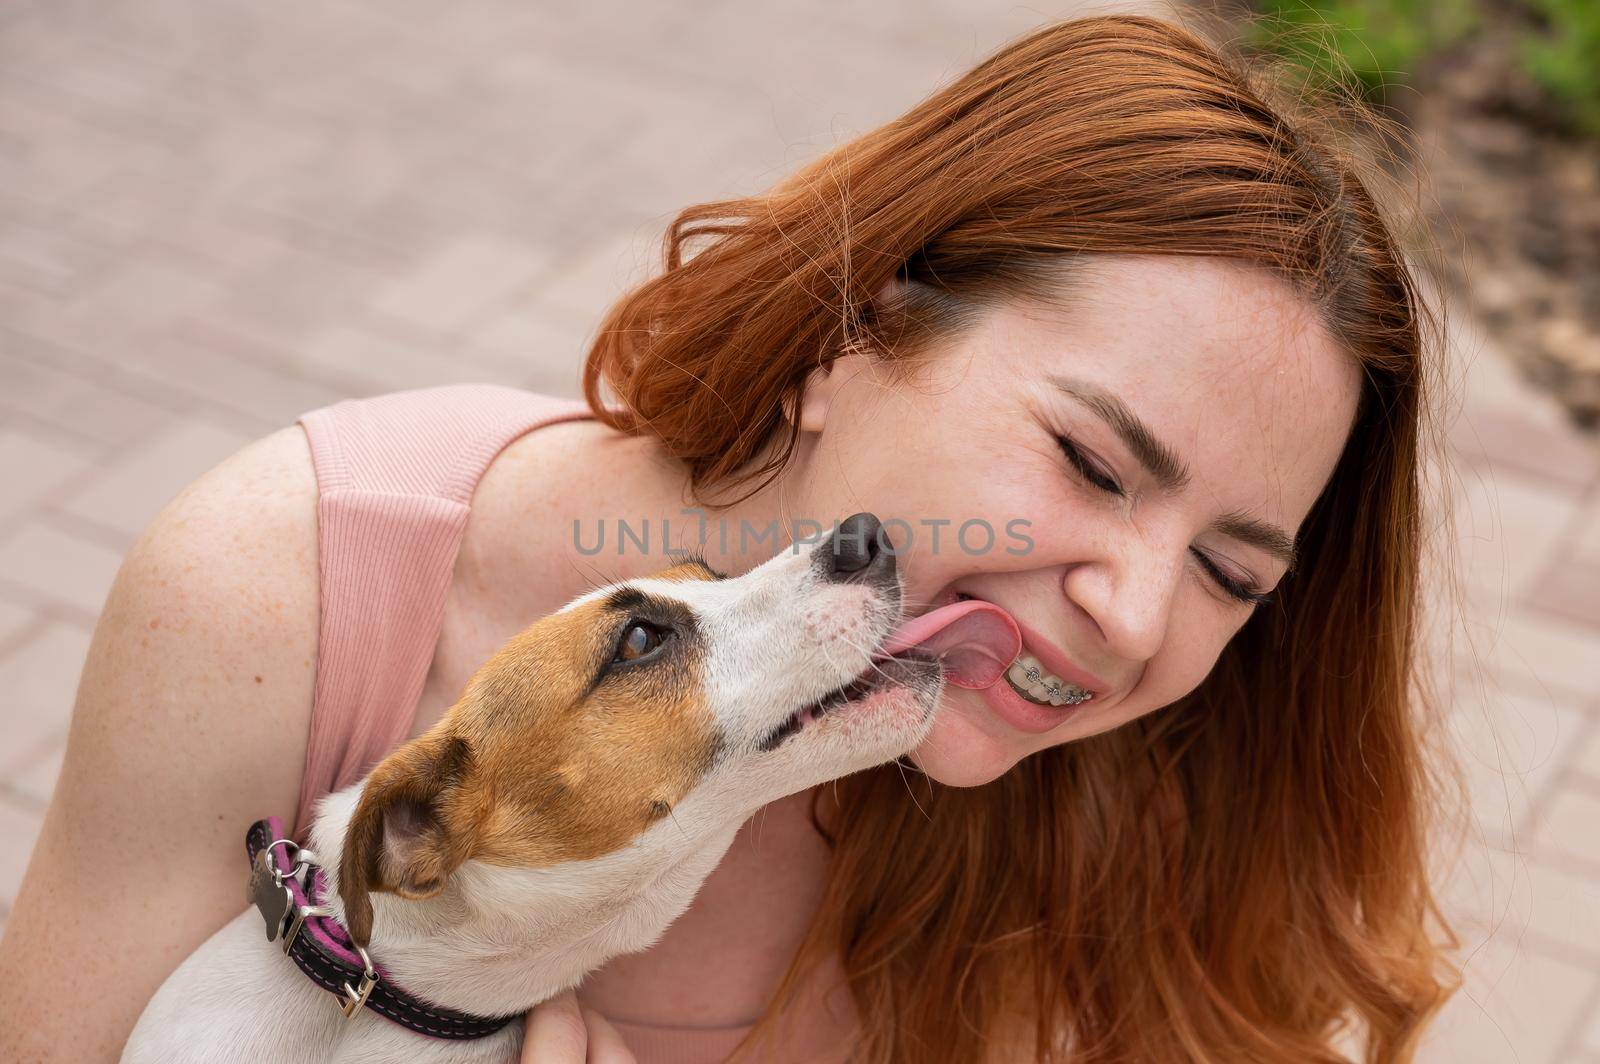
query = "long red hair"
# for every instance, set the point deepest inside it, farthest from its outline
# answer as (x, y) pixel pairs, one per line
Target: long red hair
(1242, 876)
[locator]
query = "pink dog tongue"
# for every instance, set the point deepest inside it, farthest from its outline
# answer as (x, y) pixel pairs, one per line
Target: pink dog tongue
(976, 640)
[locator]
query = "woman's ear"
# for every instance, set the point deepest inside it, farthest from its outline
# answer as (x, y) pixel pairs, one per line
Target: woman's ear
(822, 389)
(414, 825)
(824, 383)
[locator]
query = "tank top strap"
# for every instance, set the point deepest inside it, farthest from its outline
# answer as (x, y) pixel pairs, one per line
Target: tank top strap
(395, 479)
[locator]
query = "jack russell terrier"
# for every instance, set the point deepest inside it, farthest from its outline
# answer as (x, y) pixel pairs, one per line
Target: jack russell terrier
(566, 808)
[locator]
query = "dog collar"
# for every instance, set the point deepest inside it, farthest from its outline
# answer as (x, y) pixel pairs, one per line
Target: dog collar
(285, 887)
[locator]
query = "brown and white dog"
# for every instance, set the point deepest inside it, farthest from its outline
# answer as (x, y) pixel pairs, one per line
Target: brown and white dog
(568, 806)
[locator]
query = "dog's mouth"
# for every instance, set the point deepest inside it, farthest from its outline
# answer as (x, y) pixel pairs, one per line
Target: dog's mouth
(967, 641)
(879, 676)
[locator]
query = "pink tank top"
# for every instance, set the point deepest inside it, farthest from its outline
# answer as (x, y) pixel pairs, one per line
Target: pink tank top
(395, 479)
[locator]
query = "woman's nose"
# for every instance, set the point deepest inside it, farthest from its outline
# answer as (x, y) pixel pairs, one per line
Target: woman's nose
(1130, 596)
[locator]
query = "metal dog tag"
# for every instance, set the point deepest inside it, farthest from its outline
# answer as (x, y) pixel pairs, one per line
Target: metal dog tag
(268, 894)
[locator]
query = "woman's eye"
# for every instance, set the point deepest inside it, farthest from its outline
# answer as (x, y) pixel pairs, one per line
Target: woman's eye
(638, 640)
(1088, 471)
(1229, 585)
(1085, 468)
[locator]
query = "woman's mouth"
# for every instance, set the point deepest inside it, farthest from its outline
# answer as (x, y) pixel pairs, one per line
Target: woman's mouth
(1029, 679)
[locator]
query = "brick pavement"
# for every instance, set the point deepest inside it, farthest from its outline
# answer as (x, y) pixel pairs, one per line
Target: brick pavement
(216, 215)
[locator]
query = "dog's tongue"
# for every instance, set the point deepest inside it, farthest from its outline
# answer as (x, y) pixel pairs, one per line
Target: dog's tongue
(977, 641)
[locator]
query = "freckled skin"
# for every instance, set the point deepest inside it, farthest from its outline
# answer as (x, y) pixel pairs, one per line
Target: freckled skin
(1224, 362)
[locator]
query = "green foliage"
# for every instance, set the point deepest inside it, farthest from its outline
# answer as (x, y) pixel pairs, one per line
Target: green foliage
(1384, 42)
(1564, 59)
(1380, 41)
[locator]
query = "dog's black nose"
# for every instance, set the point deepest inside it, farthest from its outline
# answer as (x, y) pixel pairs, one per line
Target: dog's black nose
(856, 551)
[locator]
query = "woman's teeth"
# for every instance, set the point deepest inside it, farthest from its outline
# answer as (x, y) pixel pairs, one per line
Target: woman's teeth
(1029, 680)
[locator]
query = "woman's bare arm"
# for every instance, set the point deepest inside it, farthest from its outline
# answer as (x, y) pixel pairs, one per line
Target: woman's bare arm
(190, 722)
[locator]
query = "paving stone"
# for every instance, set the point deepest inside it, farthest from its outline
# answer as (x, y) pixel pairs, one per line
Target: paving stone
(64, 157)
(473, 273)
(49, 260)
(35, 781)
(19, 829)
(125, 307)
(33, 470)
(1525, 651)
(487, 198)
(40, 678)
(1516, 1004)
(1492, 387)
(548, 342)
(116, 92)
(657, 171)
(291, 296)
(130, 491)
(1507, 527)
(1513, 442)
(587, 284)
(375, 359)
(1564, 912)
(1512, 747)
(1568, 829)
(73, 401)
(1570, 589)
(1585, 538)
(13, 619)
(233, 373)
(135, 205)
(1544, 904)
(229, 240)
(1585, 758)
(558, 118)
(59, 566)
(1591, 1037)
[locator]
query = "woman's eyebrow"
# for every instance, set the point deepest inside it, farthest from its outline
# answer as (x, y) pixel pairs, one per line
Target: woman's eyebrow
(1270, 538)
(1161, 462)
(1157, 458)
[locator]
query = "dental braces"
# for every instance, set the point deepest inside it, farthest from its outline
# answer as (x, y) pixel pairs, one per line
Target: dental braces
(1053, 690)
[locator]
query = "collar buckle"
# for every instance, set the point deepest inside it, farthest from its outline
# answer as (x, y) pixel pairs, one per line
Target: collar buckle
(286, 886)
(300, 914)
(355, 997)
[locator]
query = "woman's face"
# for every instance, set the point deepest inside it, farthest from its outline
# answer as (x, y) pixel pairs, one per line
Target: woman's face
(1144, 454)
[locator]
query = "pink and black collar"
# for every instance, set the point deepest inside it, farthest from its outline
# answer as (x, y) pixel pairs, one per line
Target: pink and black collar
(316, 942)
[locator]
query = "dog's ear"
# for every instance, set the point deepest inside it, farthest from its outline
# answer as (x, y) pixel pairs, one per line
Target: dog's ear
(415, 823)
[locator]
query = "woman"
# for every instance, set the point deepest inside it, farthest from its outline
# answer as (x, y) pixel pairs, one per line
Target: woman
(1097, 295)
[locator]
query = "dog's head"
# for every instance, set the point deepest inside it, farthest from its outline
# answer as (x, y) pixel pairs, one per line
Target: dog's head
(678, 703)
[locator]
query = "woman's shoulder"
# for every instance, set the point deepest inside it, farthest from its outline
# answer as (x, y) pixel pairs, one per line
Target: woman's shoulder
(271, 481)
(190, 722)
(568, 477)
(237, 547)
(214, 613)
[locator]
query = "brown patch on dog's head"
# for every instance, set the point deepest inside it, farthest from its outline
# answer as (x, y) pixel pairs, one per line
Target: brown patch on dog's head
(693, 567)
(567, 744)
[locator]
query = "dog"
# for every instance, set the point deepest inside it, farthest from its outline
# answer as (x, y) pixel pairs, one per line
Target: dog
(565, 809)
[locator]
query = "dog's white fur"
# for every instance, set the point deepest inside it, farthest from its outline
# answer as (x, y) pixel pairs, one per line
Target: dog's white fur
(499, 940)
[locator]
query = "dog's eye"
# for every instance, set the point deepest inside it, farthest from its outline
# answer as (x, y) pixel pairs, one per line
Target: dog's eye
(639, 640)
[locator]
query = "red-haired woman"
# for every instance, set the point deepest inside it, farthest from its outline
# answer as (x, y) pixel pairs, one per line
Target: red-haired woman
(1098, 296)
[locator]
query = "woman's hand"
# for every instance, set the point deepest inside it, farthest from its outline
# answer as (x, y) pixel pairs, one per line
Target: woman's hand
(561, 1031)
